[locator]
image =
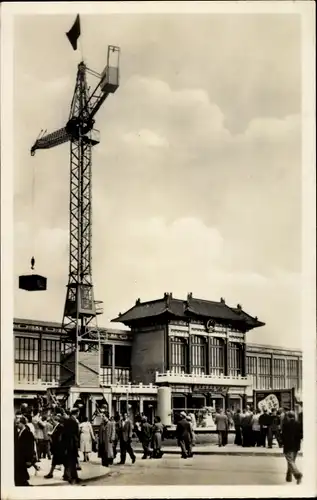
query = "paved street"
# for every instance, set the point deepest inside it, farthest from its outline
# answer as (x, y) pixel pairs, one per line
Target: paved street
(200, 470)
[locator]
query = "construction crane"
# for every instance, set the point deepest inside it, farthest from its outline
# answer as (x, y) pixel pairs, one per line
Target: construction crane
(81, 310)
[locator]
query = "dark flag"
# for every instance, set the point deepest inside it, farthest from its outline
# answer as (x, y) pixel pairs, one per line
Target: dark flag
(74, 33)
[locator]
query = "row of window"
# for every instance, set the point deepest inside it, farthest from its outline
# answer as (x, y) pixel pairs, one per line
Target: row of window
(121, 376)
(29, 372)
(29, 349)
(286, 373)
(180, 352)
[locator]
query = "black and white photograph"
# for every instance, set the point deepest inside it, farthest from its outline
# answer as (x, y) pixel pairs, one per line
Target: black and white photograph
(159, 333)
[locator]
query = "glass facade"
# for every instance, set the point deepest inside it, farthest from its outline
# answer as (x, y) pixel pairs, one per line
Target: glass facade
(252, 369)
(198, 355)
(235, 359)
(35, 359)
(278, 375)
(264, 375)
(292, 373)
(178, 354)
(216, 356)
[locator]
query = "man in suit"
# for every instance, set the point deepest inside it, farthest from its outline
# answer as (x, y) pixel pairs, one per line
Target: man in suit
(145, 437)
(70, 438)
(222, 425)
(184, 435)
(126, 440)
(23, 452)
(291, 436)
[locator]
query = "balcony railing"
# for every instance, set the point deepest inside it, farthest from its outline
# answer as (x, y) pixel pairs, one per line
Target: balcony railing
(35, 384)
(191, 378)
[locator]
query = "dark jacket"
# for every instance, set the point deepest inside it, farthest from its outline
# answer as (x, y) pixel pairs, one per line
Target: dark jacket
(184, 430)
(70, 437)
(23, 455)
(127, 431)
(291, 435)
(265, 420)
(146, 432)
(58, 445)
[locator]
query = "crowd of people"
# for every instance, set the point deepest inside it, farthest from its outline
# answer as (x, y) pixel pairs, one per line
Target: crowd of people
(259, 428)
(60, 437)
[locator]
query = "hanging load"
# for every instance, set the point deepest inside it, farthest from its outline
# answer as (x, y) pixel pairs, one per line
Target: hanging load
(32, 282)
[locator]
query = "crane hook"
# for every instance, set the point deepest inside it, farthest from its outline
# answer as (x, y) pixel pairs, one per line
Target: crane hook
(32, 263)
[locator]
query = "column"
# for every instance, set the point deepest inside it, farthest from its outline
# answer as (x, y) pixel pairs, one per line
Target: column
(113, 364)
(141, 404)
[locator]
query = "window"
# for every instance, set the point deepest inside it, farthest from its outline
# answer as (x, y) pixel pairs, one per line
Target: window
(278, 374)
(235, 359)
(264, 377)
(198, 355)
(122, 356)
(26, 353)
(292, 375)
(51, 358)
(252, 369)
(26, 372)
(300, 374)
(26, 349)
(216, 356)
(178, 354)
(106, 355)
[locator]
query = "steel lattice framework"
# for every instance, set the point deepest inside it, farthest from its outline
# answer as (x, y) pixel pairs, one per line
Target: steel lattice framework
(81, 310)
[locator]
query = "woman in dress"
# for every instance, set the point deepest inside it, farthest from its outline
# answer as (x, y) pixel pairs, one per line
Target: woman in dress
(35, 459)
(86, 438)
(157, 438)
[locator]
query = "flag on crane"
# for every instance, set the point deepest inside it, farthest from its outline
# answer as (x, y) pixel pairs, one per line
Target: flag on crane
(74, 33)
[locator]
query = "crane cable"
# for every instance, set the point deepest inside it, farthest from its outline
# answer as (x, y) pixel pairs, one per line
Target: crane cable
(32, 216)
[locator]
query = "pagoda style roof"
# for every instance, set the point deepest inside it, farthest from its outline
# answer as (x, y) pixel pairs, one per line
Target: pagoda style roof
(187, 309)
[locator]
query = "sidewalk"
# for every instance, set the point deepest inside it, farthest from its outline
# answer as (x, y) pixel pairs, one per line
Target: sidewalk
(230, 449)
(90, 471)
(93, 470)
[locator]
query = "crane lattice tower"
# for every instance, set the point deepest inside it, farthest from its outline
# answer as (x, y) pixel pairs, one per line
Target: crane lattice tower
(79, 325)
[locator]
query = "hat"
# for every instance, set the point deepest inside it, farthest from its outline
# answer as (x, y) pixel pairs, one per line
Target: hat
(183, 414)
(291, 414)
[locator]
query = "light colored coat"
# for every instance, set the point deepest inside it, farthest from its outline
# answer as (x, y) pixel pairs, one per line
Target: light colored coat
(221, 421)
(38, 427)
(86, 437)
(107, 435)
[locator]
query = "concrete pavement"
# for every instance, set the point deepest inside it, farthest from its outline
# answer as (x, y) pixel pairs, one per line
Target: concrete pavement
(201, 471)
(93, 470)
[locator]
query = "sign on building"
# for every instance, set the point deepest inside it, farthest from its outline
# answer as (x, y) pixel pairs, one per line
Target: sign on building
(274, 399)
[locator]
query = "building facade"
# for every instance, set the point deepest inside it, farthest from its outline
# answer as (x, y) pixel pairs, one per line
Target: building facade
(197, 348)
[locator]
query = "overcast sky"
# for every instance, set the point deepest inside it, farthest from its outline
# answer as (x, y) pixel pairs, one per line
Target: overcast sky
(197, 180)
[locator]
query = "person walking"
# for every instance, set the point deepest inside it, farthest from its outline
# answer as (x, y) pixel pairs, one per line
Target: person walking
(146, 437)
(57, 446)
(292, 435)
(38, 432)
(86, 438)
(118, 434)
(276, 428)
(184, 436)
(222, 424)
(157, 437)
(70, 438)
(237, 427)
(189, 418)
(256, 429)
(126, 440)
(47, 430)
(23, 452)
(105, 441)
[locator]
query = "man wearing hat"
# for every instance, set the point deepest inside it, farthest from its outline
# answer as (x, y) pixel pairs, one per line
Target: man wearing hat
(184, 435)
(291, 437)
